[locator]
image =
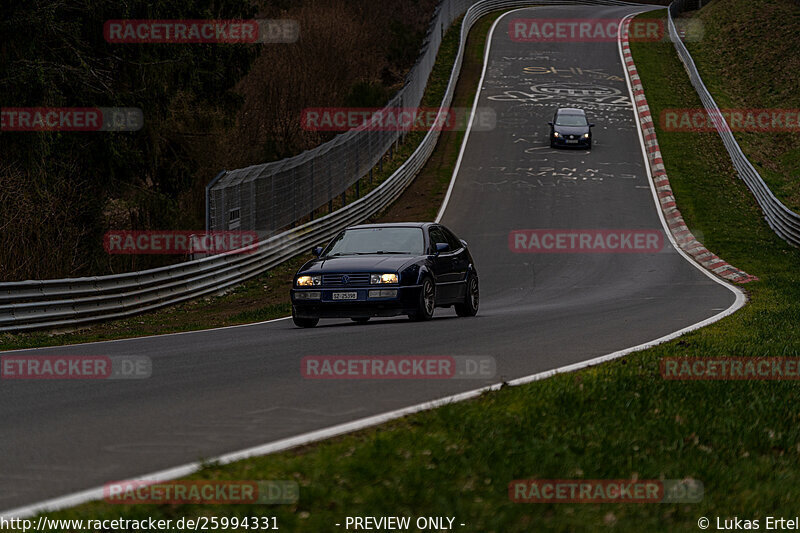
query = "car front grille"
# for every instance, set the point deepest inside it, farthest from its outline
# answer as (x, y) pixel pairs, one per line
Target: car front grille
(337, 280)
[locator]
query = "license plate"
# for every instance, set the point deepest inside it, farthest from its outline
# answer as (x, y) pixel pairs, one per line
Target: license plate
(572, 142)
(345, 295)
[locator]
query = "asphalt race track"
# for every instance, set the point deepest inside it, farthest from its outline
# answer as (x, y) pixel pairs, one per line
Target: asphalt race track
(223, 390)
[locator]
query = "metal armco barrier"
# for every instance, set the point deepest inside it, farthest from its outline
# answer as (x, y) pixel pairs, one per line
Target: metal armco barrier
(67, 303)
(782, 220)
(271, 197)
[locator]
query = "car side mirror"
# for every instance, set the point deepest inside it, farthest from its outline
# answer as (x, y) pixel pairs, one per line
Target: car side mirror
(549, 123)
(317, 251)
(464, 243)
(591, 124)
(442, 247)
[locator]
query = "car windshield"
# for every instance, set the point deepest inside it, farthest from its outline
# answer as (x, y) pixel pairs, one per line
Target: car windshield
(387, 240)
(570, 120)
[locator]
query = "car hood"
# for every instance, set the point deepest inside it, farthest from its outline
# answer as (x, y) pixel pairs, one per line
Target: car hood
(359, 263)
(572, 130)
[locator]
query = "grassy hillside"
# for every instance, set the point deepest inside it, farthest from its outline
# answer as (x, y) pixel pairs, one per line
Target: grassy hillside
(748, 59)
(620, 420)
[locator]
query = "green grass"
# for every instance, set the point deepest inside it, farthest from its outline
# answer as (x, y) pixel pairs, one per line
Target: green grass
(748, 59)
(262, 298)
(266, 296)
(617, 420)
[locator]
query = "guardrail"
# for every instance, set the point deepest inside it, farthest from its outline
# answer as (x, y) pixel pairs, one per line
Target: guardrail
(68, 303)
(782, 220)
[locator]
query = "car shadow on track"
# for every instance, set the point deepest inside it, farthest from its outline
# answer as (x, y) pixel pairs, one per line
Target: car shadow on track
(377, 322)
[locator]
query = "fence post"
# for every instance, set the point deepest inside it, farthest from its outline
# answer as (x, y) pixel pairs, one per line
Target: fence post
(208, 198)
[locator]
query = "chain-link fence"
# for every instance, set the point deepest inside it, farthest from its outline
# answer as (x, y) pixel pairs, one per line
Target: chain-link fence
(60, 303)
(271, 196)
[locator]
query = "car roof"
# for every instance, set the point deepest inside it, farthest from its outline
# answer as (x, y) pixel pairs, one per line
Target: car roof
(393, 225)
(570, 111)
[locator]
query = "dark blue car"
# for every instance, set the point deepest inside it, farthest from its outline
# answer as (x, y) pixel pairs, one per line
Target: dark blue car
(569, 128)
(386, 270)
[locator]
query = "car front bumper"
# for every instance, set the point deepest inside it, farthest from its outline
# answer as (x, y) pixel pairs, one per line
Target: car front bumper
(404, 301)
(581, 142)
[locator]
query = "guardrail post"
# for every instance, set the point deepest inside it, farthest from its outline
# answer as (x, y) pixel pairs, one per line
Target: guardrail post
(782, 220)
(157, 287)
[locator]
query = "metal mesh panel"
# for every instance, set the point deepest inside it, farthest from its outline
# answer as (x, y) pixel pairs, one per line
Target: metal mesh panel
(275, 195)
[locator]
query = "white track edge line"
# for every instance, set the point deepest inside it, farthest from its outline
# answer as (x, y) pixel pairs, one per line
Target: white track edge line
(457, 166)
(741, 298)
(333, 431)
(157, 335)
(438, 218)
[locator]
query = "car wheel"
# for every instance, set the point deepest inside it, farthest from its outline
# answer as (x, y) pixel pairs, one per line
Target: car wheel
(471, 299)
(304, 322)
(427, 301)
(361, 319)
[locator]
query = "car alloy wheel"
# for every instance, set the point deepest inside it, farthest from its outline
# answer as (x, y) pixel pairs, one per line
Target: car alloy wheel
(427, 301)
(471, 299)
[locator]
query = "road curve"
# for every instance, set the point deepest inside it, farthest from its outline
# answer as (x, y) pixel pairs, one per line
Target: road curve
(217, 391)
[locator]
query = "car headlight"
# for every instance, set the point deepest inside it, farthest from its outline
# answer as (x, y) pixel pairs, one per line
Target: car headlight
(585, 135)
(556, 134)
(382, 278)
(308, 281)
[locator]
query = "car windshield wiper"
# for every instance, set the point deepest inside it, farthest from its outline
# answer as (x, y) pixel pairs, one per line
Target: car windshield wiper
(379, 252)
